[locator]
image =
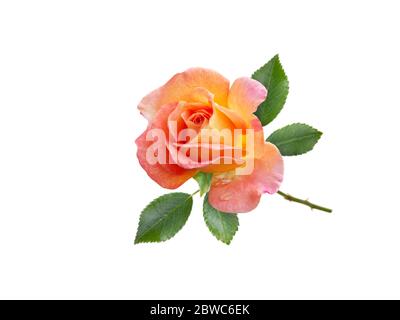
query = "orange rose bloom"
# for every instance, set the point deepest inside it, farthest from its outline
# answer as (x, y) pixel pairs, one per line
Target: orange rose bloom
(197, 122)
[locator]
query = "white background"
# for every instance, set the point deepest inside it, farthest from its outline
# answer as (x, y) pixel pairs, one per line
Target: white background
(71, 188)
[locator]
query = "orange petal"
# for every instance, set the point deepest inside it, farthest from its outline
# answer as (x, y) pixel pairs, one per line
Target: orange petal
(167, 175)
(219, 120)
(246, 95)
(235, 194)
(205, 155)
(180, 88)
(232, 115)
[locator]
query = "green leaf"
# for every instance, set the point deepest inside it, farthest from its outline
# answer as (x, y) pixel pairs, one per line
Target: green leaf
(295, 139)
(273, 77)
(164, 217)
(222, 225)
(204, 181)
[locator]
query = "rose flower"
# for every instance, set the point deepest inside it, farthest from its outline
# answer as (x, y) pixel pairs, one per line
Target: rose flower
(198, 123)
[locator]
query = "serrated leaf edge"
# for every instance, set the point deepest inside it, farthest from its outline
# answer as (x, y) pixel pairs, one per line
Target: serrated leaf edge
(317, 132)
(275, 59)
(208, 224)
(148, 205)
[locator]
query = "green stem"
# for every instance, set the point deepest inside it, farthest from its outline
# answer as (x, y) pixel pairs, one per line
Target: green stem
(305, 202)
(195, 192)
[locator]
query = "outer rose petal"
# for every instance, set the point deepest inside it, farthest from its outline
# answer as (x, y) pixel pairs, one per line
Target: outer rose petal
(243, 193)
(180, 87)
(168, 175)
(246, 95)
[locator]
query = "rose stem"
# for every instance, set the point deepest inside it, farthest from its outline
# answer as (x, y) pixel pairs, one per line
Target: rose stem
(195, 193)
(305, 202)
